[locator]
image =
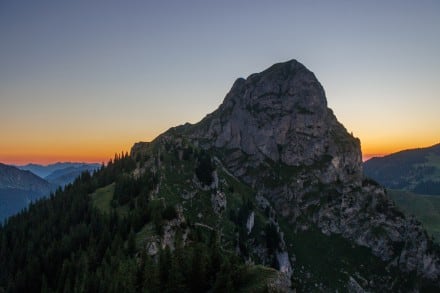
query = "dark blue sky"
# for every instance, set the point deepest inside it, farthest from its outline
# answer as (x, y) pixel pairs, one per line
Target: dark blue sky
(95, 75)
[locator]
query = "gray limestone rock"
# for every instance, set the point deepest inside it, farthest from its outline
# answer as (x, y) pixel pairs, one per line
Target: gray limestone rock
(250, 222)
(274, 132)
(218, 201)
(281, 114)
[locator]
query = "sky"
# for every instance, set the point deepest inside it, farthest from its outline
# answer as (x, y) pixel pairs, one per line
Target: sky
(82, 80)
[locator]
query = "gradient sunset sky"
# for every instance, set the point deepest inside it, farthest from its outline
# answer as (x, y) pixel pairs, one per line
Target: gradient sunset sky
(81, 80)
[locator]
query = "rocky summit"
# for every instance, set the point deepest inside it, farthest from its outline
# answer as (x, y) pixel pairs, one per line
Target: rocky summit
(275, 134)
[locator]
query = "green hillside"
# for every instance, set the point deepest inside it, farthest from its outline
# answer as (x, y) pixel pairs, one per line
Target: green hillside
(416, 170)
(95, 233)
(425, 208)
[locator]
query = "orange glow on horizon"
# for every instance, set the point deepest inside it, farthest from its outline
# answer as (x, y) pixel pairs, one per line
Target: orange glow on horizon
(385, 147)
(366, 157)
(52, 158)
(101, 151)
(71, 153)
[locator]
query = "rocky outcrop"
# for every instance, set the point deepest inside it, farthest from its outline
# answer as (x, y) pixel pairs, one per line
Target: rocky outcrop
(280, 283)
(250, 222)
(354, 286)
(370, 219)
(168, 237)
(287, 143)
(275, 132)
(284, 263)
(218, 201)
(281, 114)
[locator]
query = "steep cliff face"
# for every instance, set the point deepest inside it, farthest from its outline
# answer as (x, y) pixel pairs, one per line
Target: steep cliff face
(281, 114)
(275, 133)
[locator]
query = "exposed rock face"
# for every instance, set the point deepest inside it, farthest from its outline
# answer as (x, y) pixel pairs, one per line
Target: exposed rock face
(169, 234)
(218, 201)
(354, 287)
(280, 283)
(284, 263)
(275, 132)
(281, 114)
(250, 222)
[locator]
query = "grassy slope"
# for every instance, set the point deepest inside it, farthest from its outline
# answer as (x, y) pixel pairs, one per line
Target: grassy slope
(102, 198)
(406, 170)
(434, 160)
(257, 278)
(426, 208)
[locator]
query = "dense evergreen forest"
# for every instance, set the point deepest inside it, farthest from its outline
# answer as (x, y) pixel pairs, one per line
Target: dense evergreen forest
(65, 244)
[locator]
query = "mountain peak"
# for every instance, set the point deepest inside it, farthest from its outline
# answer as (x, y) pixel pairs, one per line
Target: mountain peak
(281, 114)
(289, 80)
(275, 132)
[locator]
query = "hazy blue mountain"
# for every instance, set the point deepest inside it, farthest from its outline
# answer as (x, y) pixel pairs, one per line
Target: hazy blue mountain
(46, 170)
(14, 178)
(416, 170)
(18, 188)
(23, 184)
(14, 200)
(61, 177)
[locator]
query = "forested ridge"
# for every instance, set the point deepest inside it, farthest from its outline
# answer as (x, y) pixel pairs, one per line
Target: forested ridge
(66, 244)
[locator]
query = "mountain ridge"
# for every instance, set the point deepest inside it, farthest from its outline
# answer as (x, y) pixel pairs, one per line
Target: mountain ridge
(18, 188)
(19, 185)
(269, 179)
(66, 175)
(44, 171)
(416, 170)
(280, 116)
(12, 177)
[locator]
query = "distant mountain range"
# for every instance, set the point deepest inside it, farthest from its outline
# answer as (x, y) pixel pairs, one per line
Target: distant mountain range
(19, 185)
(64, 176)
(53, 171)
(415, 170)
(18, 188)
(14, 178)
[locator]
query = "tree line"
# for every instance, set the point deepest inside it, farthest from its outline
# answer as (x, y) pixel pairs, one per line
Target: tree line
(65, 244)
